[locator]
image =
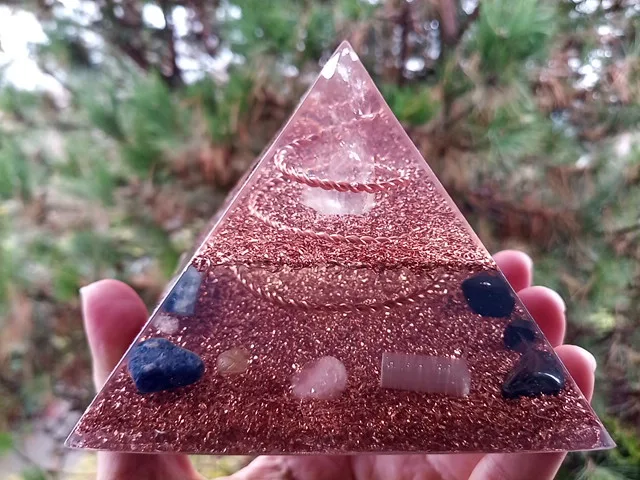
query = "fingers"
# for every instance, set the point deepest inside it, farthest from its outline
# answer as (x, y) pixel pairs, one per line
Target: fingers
(525, 466)
(581, 365)
(545, 305)
(517, 267)
(548, 310)
(113, 316)
(300, 467)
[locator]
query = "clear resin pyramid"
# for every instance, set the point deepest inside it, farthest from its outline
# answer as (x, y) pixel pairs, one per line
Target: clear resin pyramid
(340, 303)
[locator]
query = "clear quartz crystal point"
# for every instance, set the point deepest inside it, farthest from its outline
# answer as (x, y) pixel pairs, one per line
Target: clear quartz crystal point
(340, 303)
(345, 160)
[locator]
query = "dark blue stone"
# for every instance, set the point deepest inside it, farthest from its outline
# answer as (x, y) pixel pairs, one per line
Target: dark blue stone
(520, 334)
(157, 364)
(184, 294)
(489, 294)
(537, 373)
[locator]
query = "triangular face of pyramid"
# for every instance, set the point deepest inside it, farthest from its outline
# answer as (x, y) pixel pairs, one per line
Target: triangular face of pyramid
(341, 303)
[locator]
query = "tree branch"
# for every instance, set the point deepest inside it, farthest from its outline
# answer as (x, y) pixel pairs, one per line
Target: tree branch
(173, 76)
(405, 23)
(448, 13)
(122, 43)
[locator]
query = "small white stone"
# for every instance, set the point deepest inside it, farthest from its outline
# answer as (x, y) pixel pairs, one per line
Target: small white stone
(166, 324)
(320, 379)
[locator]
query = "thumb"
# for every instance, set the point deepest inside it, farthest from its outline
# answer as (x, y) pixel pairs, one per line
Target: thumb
(113, 316)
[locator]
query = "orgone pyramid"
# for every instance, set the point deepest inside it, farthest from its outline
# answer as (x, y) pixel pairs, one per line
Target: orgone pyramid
(340, 303)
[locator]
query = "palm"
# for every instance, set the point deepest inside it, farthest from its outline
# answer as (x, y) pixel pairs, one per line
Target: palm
(114, 314)
(400, 467)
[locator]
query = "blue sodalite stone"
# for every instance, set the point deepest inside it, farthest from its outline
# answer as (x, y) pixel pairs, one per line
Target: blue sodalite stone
(537, 373)
(157, 364)
(520, 334)
(489, 295)
(184, 294)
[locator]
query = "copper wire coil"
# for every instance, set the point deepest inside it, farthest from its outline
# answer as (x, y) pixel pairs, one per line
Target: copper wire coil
(292, 173)
(332, 237)
(397, 301)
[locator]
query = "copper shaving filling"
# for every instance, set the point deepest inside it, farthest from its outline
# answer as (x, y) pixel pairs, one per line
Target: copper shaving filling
(254, 411)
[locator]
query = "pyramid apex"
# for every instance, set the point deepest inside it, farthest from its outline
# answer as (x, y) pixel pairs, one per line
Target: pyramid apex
(345, 45)
(344, 52)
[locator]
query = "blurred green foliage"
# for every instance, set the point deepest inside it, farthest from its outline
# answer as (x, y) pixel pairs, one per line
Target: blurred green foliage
(507, 34)
(411, 105)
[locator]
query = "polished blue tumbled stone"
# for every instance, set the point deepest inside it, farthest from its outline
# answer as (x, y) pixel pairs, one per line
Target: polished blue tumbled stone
(489, 295)
(184, 295)
(157, 364)
(536, 373)
(520, 335)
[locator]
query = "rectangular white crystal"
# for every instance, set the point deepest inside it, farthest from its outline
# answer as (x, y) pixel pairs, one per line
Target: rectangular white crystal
(422, 373)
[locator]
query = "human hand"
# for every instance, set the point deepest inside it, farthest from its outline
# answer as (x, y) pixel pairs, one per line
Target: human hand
(114, 314)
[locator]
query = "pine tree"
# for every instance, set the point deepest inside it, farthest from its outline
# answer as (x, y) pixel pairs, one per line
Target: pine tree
(526, 109)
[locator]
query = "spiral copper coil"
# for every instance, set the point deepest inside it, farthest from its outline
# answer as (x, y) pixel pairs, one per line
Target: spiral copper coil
(397, 301)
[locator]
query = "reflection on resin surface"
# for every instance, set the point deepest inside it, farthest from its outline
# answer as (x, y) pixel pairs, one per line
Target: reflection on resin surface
(342, 304)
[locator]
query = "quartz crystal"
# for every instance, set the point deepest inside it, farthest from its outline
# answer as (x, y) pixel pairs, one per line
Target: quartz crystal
(341, 303)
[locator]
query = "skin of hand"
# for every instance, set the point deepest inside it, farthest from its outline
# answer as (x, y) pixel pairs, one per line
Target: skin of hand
(114, 314)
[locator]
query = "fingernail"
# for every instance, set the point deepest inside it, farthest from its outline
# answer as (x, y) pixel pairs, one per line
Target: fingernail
(85, 292)
(559, 299)
(88, 288)
(590, 358)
